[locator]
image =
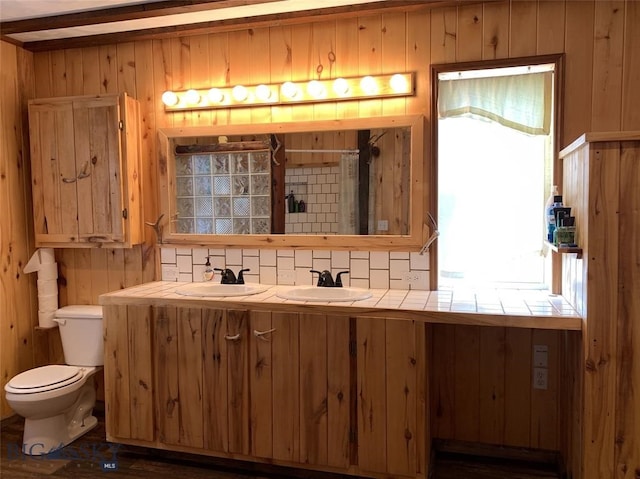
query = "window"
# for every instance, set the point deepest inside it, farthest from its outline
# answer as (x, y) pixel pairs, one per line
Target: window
(495, 151)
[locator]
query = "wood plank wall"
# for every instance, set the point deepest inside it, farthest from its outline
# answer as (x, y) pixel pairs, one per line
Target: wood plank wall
(602, 47)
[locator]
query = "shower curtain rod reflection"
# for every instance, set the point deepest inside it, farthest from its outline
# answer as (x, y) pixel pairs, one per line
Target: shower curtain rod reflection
(292, 150)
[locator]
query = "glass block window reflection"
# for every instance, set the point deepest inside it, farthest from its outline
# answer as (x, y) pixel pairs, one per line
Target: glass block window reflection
(224, 193)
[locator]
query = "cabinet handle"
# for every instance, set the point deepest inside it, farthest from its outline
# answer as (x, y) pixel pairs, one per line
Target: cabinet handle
(83, 173)
(261, 334)
(235, 337)
(68, 180)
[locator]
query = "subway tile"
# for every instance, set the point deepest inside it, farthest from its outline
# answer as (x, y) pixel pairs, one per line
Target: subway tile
(268, 275)
(320, 264)
(198, 272)
(304, 277)
(418, 261)
(359, 283)
(250, 252)
(184, 264)
(168, 255)
(251, 262)
(303, 258)
(217, 252)
(379, 260)
(234, 257)
(379, 278)
(397, 268)
(286, 263)
(185, 278)
(340, 259)
(359, 268)
(285, 253)
(267, 257)
(183, 251)
(359, 255)
(398, 255)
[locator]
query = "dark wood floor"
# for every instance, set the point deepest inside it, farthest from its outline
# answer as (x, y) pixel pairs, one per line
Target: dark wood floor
(85, 457)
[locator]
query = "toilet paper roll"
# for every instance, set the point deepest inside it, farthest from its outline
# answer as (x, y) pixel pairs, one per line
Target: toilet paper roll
(45, 319)
(40, 257)
(48, 302)
(47, 256)
(47, 286)
(48, 271)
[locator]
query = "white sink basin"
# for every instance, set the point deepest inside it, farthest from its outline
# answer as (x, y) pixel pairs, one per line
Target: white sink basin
(314, 293)
(217, 289)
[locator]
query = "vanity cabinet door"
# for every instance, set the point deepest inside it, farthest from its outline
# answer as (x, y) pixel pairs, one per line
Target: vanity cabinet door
(85, 168)
(299, 381)
(391, 396)
(128, 373)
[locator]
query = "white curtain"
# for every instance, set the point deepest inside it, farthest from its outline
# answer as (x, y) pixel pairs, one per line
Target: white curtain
(348, 200)
(521, 102)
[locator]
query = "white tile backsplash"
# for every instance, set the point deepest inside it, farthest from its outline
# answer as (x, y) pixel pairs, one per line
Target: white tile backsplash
(375, 269)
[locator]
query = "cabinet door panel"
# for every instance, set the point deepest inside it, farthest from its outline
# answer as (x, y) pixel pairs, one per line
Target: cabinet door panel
(53, 171)
(402, 397)
(216, 424)
(313, 389)
(238, 382)
(285, 386)
(140, 372)
(190, 377)
(116, 372)
(260, 383)
(99, 169)
(339, 391)
(372, 398)
(166, 374)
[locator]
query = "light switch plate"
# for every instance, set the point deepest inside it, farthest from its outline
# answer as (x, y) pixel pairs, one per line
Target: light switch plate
(540, 356)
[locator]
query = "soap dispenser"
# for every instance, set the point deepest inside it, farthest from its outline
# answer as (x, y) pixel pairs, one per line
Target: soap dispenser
(208, 273)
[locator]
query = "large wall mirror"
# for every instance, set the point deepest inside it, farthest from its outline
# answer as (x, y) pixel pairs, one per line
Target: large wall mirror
(339, 184)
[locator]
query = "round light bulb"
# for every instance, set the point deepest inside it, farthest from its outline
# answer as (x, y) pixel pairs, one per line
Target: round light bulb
(289, 90)
(192, 97)
(316, 89)
(341, 86)
(398, 83)
(215, 95)
(169, 98)
(239, 93)
(263, 92)
(369, 85)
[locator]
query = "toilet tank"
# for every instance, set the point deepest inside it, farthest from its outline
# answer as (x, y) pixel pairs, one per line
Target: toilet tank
(81, 334)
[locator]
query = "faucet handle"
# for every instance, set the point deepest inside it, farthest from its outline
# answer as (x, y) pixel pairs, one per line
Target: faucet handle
(240, 279)
(320, 280)
(226, 276)
(339, 278)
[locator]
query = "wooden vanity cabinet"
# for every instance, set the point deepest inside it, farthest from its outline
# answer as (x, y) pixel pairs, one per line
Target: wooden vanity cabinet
(328, 391)
(85, 169)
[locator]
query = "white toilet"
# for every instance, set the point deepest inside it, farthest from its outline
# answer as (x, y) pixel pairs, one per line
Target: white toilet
(57, 401)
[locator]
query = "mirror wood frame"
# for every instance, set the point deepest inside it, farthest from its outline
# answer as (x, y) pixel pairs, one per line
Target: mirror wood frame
(410, 242)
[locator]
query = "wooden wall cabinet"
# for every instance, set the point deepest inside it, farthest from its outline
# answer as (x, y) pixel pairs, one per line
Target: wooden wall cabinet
(304, 389)
(85, 169)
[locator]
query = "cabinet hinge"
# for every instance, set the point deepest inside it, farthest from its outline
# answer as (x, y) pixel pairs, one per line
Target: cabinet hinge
(121, 125)
(353, 349)
(125, 213)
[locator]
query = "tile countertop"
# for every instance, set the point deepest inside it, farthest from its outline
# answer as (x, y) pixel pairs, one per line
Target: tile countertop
(504, 308)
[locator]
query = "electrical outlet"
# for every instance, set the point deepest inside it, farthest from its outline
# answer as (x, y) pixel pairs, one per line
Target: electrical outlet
(540, 377)
(541, 356)
(415, 278)
(383, 225)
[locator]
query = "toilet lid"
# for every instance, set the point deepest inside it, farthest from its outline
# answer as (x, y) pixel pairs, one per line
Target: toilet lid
(45, 378)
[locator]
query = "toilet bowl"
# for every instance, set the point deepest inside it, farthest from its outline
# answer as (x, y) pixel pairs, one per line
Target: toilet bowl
(57, 400)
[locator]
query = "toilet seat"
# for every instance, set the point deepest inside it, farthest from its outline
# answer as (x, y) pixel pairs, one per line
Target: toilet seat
(43, 379)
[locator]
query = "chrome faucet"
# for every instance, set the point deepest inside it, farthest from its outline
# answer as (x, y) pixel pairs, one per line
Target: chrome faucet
(325, 279)
(229, 277)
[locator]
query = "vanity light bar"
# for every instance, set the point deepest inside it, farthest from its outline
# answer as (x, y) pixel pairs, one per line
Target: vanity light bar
(292, 92)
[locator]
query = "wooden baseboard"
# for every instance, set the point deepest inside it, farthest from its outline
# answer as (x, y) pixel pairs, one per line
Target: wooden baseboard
(474, 449)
